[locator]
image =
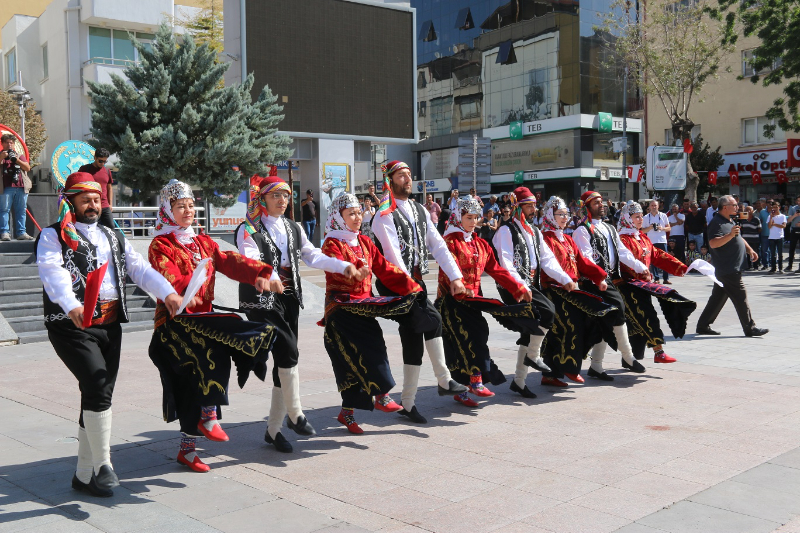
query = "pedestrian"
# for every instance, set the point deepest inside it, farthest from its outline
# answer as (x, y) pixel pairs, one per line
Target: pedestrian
(776, 223)
(763, 213)
(751, 233)
(16, 186)
(310, 214)
(728, 249)
(677, 224)
(794, 231)
(434, 209)
(66, 252)
(655, 226)
(101, 175)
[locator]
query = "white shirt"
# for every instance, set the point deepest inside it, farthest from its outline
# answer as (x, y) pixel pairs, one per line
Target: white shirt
(453, 205)
(584, 242)
(57, 280)
(656, 237)
(675, 228)
(385, 231)
(775, 232)
(310, 254)
(710, 213)
(505, 251)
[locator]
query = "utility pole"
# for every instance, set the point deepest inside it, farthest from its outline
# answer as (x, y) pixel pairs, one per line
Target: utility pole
(623, 179)
(291, 190)
(475, 161)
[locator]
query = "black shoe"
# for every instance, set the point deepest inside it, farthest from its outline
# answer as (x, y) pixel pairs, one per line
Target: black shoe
(414, 415)
(92, 487)
(525, 391)
(635, 367)
(706, 331)
(531, 363)
(301, 427)
(602, 376)
(756, 332)
(280, 442)
(106, 478)
(453, 387)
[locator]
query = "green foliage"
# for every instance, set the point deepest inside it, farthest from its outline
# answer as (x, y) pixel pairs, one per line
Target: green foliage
(704, 159)
(35, 131)
(173, 121)
(206, 26)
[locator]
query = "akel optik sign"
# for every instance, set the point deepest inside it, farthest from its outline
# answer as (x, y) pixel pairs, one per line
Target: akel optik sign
(666, 168)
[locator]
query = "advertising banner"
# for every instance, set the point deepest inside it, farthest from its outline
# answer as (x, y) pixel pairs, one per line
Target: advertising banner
(553, 150)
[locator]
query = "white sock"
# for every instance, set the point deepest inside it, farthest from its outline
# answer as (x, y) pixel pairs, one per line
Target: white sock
(621, 333)
(522, 369)
(598, 353)
(98, 433)
(290, 384)
(435, 349)
(85, 465)
(410, 385)
(277, 412)
(535, 347)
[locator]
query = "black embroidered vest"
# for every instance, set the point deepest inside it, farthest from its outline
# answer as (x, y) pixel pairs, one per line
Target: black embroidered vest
(522, 260)
(600, 252)
(82, 261)
(249, 298)
(405, 237)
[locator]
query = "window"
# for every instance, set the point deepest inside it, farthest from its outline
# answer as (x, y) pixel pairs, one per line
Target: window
(45, 66)
(427, 32)
(423, 108)
(11, 67)
(441, 116)
(753, 131)
(669, 140)
(506, 55)
(464, 19)
(747, 64)
(114, 47)
(469, 107)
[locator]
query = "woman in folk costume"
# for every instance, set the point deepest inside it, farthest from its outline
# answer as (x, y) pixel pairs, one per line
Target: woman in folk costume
(582, 319)
(353, 337)
(644, 328)
(464, 328)
(193, 351)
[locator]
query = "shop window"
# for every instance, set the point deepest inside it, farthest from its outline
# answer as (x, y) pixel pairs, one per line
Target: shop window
(506, 55)
(753, 131)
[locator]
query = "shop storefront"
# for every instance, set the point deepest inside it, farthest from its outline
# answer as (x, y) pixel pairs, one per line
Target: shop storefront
(768, 163)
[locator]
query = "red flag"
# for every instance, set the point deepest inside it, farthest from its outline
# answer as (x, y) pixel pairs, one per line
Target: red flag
(92, 291)
(734, 177)
(630, 173)
(712, 177)
(688, 147)
(756, 175)
(640, 176)
(781, 175)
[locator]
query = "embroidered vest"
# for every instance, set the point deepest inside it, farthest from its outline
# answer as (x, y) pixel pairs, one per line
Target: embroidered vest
(82, 261)
(405, 236)
(249, 298)
(522, 260)
(600, 252)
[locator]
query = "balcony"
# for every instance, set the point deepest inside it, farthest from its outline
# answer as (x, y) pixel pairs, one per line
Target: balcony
(143, 15)
(100, 69)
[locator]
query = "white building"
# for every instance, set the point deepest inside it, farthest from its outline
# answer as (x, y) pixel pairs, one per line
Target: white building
(72, 42)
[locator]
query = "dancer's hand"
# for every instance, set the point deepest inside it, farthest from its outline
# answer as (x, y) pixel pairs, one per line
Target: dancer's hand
(571, 286)
(76, 315)
(351, 272)
(470, 293)
(274, 285)
(173, 303)
(457, 287)
(362, 273)
(262, 284)
(526, 296)
(603, 285)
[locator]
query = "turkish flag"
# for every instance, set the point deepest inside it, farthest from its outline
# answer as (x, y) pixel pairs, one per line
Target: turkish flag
(688, 147)
(630, 173)
(781, 175)
(756, 175)
(793, 152)
(640, 176)
(734, 177)
(712, 178)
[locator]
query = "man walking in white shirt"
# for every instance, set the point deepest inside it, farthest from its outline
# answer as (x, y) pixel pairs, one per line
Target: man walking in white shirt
(655, 226)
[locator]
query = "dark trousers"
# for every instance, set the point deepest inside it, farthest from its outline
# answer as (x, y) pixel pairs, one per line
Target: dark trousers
(543, 305)
(794, 236)
(680, 247)
(309, 226)
(106, 218)
(92, 355)
(284, 316)
(734, 289)
(657, 271)
(776, 253)
(411, 338)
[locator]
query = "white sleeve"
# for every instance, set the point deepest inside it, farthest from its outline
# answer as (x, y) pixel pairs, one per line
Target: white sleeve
(550, 265)
(581, 238)
(505, 252)
(248, 248)
(627, 258)
(144, 275)
(440, 251)
(56, 279)
(386, 233)
(314, 258)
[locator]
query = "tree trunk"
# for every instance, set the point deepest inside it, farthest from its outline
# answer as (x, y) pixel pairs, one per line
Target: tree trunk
(682, 129)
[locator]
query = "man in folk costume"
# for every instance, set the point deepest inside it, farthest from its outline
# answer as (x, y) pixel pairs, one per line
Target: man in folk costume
(523, 252)
(600, 242)
(266, 235)
(404, 235)
(83, 267)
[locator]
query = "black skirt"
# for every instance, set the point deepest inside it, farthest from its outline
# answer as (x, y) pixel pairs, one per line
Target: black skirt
(582, 320)
(465, 333)
(193, 354)
(644, 327)
(355, 345)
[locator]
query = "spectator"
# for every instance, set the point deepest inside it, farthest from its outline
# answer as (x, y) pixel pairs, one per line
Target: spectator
(102, 176)
(434, 209)
(310, 214)
(656, 226)
(776, 223)
(793, 223)
(704, 255)
(712, 209)
(15, 189)
(672, 249)
(504, 201)
(686, 207)
(374, 201)
(692, 254)
(452, 205)
(505, 214)
(677, 224)
(751, 233)
(475, 195)
(443, 217)
(488, 226)
(763, 213)
(538, 219)
(492, 206)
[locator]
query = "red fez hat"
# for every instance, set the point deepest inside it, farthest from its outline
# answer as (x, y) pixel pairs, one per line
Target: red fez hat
(273, 184)
(80, 182)
(588, 196)
(524, 195)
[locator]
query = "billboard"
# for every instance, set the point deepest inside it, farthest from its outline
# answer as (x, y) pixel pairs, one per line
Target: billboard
(666, 168)
(545, 151)
(339, 67)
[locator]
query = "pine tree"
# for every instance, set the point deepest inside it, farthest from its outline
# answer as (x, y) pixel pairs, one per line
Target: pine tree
(173, 121)
(35, 132)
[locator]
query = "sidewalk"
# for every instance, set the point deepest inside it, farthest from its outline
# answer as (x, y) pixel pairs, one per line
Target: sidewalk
(706, 444)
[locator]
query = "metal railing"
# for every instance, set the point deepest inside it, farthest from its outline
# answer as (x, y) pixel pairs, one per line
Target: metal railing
(110, 61)
(141, 221)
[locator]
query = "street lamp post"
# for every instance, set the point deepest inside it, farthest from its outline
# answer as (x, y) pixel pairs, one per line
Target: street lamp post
(22, 97)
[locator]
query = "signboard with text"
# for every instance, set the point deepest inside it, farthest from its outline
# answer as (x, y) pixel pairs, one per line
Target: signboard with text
(554, 150)
(666, 168)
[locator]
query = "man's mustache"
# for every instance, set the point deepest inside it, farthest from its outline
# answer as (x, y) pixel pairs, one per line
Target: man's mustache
(90, 211)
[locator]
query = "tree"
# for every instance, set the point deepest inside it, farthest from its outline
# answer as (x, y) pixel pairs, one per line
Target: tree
(703, 159)
(672, 50)
(205, 24)
(777, 24)
(35, 132)
(172, 121)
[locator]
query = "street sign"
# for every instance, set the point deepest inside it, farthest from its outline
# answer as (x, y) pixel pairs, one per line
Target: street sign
(666, 168)
(619, 144)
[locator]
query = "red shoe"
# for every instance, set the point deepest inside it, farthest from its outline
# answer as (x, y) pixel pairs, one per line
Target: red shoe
(195, 464)
(577, 378)
(661, 357)
(350, 421)
(477, 387)
(216, 434)
(386, 404)
(469, 402)
(553, 382)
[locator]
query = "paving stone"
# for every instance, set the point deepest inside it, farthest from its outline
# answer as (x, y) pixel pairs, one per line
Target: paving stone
(686, 517)
(770, 504)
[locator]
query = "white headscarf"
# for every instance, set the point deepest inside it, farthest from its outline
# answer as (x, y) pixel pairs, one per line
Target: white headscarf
(336, 228)
(172, 191)
(625, 224)
(467, 205)
(550, 223)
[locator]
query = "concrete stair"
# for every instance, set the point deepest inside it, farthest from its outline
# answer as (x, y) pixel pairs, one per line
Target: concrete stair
(21, 295)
